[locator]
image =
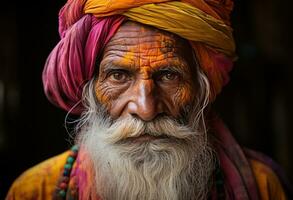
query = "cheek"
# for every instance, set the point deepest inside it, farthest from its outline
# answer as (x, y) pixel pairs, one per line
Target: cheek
(184, 95)
(107, 93)
(178, 97)
(101, 93)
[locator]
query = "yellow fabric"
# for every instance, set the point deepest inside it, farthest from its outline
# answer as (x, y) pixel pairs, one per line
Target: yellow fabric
(217, 9)
(103, 8)
(268, 183)
(39, 182)
(176, 17)
(186, 21)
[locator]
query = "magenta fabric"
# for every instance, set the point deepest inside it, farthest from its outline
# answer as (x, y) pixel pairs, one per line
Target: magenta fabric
(240, 183)
(73, 61)
(70, 13)
(224, 65)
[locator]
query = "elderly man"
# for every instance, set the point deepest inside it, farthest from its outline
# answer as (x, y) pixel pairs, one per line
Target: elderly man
(142, 74)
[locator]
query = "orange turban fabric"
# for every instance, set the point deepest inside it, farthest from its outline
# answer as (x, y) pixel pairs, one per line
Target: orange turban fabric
(205, 23)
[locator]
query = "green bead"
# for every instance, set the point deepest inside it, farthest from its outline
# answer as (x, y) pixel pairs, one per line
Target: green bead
(62, 193)
(67, 166)
(74, 148)
(70, 160)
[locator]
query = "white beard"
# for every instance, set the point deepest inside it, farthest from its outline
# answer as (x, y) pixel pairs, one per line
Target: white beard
(176, 165)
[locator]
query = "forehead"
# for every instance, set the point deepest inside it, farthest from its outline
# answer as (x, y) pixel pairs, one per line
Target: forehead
(130, 33)
(137, 44)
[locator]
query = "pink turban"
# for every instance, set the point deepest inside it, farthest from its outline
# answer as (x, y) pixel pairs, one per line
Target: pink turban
(73, 61)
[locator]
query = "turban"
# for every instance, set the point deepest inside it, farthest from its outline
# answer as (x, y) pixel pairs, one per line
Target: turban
(86, 26)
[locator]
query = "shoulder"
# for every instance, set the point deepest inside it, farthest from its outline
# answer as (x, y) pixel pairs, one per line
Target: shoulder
(39, 181)
(268, 182)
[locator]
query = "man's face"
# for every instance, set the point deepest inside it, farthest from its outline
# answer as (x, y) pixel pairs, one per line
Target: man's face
(147, 145)
(145, 73)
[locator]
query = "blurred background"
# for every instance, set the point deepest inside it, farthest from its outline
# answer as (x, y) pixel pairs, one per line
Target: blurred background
(257, 105)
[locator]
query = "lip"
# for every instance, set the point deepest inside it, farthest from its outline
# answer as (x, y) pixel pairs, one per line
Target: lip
(146, 138)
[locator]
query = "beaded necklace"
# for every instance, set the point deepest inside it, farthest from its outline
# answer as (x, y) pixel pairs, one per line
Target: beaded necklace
(63, 184)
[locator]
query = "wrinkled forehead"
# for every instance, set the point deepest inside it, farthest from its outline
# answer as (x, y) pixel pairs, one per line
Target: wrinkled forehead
(137, 45)
(143, 37)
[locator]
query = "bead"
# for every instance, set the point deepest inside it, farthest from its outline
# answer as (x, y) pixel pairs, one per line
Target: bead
(63, 186)
(65, 179)
(70, 160)
(66, 173)
(74, 148)
(62, 193)
(73, 154)
(68, 166)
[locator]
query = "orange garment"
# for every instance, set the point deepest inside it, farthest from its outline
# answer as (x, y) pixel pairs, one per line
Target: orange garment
(268, 183)
(39, 182)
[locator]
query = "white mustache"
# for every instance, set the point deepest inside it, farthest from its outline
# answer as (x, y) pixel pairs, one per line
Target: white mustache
(132, 127)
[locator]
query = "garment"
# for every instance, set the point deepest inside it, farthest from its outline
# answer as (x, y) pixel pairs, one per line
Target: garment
(86, 26)
(255, 178)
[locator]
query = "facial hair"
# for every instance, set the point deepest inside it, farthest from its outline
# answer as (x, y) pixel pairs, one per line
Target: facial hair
(172, 162)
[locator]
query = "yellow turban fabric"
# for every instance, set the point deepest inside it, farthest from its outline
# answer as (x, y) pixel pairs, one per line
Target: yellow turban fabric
(177, 17)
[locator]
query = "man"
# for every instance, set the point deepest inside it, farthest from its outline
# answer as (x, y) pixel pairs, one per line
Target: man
(142, 75)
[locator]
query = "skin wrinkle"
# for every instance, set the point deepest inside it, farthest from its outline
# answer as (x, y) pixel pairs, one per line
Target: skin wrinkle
(107, 92)
(165, 46)
(146, 40)
(180, 67)
(150, 44)
(151, 53)
(159, 62)
(143, 57)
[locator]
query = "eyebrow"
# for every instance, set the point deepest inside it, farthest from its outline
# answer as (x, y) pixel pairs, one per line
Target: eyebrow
(114, 66)
(171, 66)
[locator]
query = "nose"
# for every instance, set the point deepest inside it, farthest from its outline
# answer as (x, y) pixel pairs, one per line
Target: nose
(145, 103)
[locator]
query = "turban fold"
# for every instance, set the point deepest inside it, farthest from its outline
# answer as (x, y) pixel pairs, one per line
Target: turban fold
(72, 62)
(86, 26)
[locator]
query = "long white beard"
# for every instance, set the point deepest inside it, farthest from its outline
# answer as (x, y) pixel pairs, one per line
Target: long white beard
(176, 165)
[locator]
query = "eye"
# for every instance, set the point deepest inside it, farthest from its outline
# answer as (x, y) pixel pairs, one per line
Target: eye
(118, 76)
(169, 76)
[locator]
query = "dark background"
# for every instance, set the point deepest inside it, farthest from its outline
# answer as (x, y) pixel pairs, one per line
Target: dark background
(257, 105)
